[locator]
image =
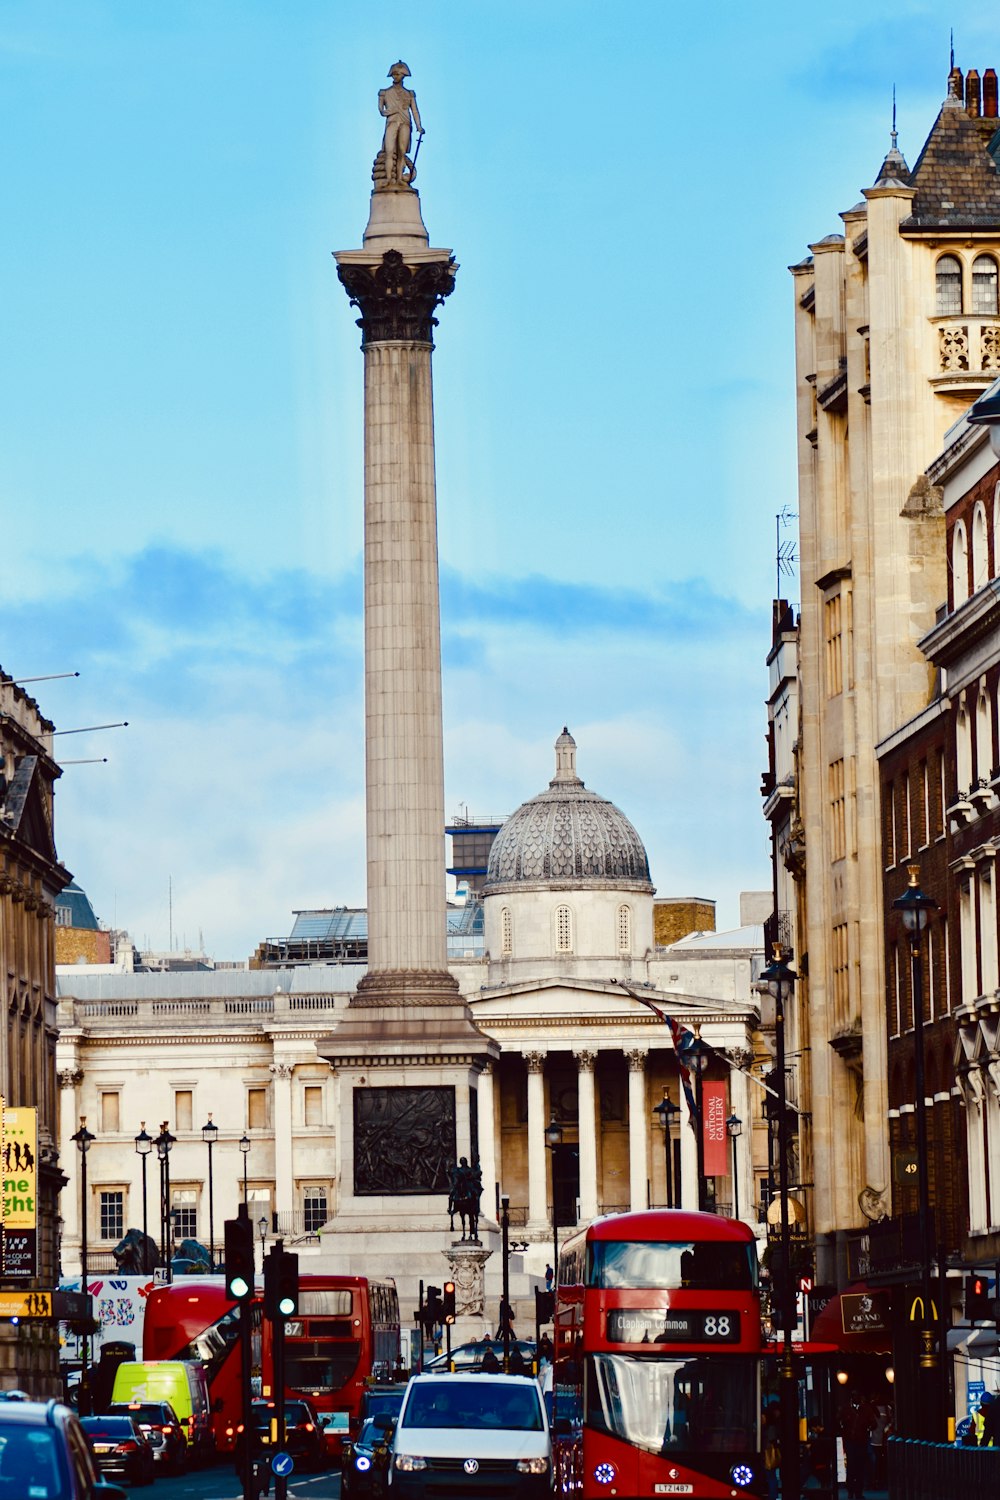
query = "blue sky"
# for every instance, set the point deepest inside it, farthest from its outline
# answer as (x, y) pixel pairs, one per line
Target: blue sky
(180, 409)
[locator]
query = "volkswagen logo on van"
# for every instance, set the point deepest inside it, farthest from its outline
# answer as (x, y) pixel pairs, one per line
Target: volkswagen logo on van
(471, 1466)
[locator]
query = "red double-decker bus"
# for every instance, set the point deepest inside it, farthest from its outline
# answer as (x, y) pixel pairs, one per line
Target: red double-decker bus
(656, 1385)
(346, 1332)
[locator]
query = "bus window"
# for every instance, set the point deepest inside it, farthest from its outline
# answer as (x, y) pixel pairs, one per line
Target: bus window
(674, 1405)
(704, 1265)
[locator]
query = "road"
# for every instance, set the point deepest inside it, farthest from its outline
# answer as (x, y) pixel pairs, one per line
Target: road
(220, 1483)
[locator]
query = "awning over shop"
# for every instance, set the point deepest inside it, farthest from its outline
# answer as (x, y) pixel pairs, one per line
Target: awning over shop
(857, 1320)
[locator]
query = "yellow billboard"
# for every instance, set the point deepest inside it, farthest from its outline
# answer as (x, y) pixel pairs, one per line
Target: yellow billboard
(19, 1157)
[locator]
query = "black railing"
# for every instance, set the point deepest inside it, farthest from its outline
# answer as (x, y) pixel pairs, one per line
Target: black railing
(931, 1471)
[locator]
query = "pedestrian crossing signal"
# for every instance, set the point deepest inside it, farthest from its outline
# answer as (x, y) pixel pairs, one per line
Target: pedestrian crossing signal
(979, 1306)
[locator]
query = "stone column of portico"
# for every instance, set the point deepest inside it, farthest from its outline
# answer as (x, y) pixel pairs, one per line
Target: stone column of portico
(587, 1108)
(638, 1131)
(485, 1100)
(537, 1197)
(70, 1079)
(689, 1155)
(284, 1180)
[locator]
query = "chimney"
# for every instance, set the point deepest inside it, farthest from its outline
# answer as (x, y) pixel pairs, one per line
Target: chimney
(955, 82)
(990, 93)
(972, 100)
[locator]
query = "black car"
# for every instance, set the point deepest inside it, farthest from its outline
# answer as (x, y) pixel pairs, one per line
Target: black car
(161, 1425)
(379, 1399)
(44, 1452)
(364, 1460)
(303, 1434)
(121, 1448)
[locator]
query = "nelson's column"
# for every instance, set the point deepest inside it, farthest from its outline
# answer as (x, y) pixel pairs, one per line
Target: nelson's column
(407, 1052)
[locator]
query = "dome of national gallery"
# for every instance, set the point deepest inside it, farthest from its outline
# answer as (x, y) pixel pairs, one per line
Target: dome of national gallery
(567, 836)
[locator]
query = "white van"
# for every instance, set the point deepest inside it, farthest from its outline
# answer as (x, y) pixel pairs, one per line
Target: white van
(459, 1434)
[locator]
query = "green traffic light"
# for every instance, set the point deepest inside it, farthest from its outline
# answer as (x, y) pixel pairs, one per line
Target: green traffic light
(239, 1287)
(286, 1306)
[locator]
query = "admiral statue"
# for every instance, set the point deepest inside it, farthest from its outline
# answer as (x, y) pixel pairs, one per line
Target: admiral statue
(393, 169)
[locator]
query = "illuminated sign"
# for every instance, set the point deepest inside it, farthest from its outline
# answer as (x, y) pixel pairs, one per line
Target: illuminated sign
(672, 1325)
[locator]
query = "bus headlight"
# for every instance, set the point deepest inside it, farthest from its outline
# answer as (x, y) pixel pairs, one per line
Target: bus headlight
(741, 1474)
(409, 1463)
(605, 1473)
(532, 1466)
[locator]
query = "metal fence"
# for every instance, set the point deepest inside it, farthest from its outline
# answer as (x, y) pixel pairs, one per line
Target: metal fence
(938, 1471)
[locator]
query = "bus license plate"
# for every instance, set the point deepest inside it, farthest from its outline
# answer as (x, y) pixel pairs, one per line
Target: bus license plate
(673, 1489)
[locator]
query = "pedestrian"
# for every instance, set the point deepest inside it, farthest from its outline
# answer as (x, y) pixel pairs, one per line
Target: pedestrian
(489, 1362)
(990, 1436)
(506, 1320)
(880, 1432)
(546, 1352)
(855, 1429)
(550, 1277)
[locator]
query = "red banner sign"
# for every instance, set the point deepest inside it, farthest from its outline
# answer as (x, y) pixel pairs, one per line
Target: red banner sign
(715, 1135)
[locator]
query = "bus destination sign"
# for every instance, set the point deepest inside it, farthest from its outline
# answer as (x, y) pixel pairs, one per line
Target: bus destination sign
(672, 1325)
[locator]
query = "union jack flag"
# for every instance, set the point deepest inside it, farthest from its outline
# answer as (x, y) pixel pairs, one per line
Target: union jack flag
(685, 1045)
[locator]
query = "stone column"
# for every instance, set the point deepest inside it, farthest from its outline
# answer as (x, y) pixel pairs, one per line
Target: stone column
(69, 1080)
(284, 1171)
(537, 1208)
(638, 1127)
(487, 1140)
(587, 1106)
(397, 293)
(689, 1154)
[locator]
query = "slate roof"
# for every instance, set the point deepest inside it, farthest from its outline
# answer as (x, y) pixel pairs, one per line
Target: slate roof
(956, 175)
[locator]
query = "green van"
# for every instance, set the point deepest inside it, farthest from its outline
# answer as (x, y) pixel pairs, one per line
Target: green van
(184, 1384)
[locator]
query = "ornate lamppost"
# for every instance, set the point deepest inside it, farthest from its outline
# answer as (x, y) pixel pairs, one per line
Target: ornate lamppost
(83, 1139)
(262, 1227)
(210, 1134)
(245, 1148)
(915, 908)
(666, 1112)
(143, 1146)
(734, 1126)
(778, 981)
(553, 1140)
(164, 1141)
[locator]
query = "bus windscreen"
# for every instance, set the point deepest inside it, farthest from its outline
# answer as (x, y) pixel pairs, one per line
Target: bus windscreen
(647, 1265)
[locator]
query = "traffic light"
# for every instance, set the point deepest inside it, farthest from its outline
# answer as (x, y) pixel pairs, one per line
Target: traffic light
(979, 1306)
(281, 1285)
(432, 1308)
(239, 1259)
(545, 1306)
(448, 1303)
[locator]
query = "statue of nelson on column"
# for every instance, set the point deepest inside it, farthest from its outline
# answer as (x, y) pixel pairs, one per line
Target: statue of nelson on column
(393, 169)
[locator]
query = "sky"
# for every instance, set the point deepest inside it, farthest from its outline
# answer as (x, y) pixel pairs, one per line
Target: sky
(181, 411)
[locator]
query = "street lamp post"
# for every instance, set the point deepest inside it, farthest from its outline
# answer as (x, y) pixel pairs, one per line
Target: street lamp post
(667, 1111)
(735, 1127)
(505, 1290)
(210, 1134)
(915, 909)
(143, 1146)
(553, 1140)
(778, 981)
(83, 1138)
(163, 1143)
(245, 1148)
(262, 1226)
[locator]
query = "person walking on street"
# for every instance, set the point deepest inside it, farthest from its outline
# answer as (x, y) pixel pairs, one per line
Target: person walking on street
(856, 1428)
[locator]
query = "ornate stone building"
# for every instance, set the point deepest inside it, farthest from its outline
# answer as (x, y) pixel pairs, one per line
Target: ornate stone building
(30, 879)
(897, 330)
(560, 990)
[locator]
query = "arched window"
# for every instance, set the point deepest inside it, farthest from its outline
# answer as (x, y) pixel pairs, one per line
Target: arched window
(984, 286)
(984, 737)
(959, 565)
(963, 752)
(506, 931)
(564, 930)
(980, 556)
(624, 929)
(948, 282)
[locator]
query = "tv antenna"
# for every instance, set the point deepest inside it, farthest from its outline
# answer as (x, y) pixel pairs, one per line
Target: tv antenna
(785, 554)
